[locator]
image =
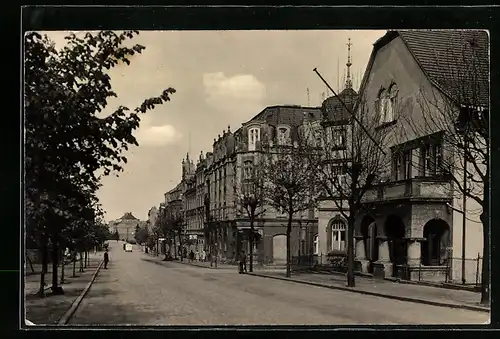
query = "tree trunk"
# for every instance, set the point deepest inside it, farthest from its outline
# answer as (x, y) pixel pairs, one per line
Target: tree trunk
(179, 235)
(73, 258)
(81, 262)
(288, 249)
(85, 259)
(45, 254)
(56, 289)
(485, 274)
(350, 248)
(62, 267)
(250, 266)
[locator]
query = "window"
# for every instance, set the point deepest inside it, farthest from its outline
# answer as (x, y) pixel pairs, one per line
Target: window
(386, 104)
(339, 137)
(247, 169)
(316, 244)
(430, 160)
(338, 236)
(403, 165)
(339, 172)
(392, 103)
(318, 141)
(253, 137)
(283, 136)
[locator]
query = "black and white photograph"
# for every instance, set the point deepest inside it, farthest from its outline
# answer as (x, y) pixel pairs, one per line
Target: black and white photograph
(256, 177)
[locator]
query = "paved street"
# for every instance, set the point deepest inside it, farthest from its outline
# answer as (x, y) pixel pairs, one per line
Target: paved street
(134, 291)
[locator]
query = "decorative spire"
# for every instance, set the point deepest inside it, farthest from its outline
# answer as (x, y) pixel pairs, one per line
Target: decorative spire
(348, 81)
(228, 129)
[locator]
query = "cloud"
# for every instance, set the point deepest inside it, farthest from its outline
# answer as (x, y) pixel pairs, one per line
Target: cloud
(157, 136)
(242, 92)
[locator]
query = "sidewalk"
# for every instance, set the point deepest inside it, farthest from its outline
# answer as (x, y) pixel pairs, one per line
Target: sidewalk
(50, 309)
(387, 289)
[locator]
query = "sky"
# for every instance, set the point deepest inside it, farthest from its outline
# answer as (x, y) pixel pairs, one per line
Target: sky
(222, 78)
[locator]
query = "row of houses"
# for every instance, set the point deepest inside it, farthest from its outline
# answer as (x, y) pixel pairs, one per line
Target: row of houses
(412, 220)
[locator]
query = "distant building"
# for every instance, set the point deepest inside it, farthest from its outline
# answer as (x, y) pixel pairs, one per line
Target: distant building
(126, 226)
(193, 201)
(152, 215)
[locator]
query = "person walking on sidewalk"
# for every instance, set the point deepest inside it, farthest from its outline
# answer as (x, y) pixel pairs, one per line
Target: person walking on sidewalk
(242, 265)
(244, 262)
(106, 259)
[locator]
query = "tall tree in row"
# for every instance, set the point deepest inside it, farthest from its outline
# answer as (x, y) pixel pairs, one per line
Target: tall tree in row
(288, 173)
(250, 198)
(352, 160)
(68, 147)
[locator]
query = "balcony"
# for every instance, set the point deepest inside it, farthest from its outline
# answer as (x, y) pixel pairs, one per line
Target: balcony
(416, 189)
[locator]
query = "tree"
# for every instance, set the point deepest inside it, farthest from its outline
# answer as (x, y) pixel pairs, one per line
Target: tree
(457, 110)
(211, 230)
(288, 173)
(68, 147)
(352, 160)
(141, 235)
(175, 222)
(250, 197)
(116, 235)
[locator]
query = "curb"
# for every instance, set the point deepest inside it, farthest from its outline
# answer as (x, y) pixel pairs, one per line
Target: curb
(203, 266)
(375, 294)
(159, 262)
(67, 316)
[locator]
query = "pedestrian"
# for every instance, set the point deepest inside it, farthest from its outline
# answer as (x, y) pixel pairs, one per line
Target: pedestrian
(240, 263)
(106, 259)
(191, 256)
(244, 262)
(203, 255)
(197, 255)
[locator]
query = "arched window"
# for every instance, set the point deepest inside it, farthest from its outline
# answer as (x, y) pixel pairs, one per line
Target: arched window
(390, 114)
(338, 236)
(316, 244)
(253, 137)
(434, 249)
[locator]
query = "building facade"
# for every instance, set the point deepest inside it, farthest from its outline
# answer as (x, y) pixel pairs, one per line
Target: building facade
(275, 125)
(152, 215)
(193, 199)
(336, 123)
(412, 224)
(125, 226)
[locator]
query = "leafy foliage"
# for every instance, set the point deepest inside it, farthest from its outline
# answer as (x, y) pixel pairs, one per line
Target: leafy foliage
(68, 147)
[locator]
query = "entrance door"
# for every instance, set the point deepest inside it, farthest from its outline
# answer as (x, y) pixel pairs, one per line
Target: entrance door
(279, 248)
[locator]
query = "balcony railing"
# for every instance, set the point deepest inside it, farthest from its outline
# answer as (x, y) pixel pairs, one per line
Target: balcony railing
(417, 188)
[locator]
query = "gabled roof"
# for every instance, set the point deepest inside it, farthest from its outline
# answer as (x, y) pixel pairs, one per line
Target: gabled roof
(446, 57)
(128, 216)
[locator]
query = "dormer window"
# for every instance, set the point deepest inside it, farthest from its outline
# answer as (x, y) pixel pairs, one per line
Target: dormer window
(253, 137)
(283, 135)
